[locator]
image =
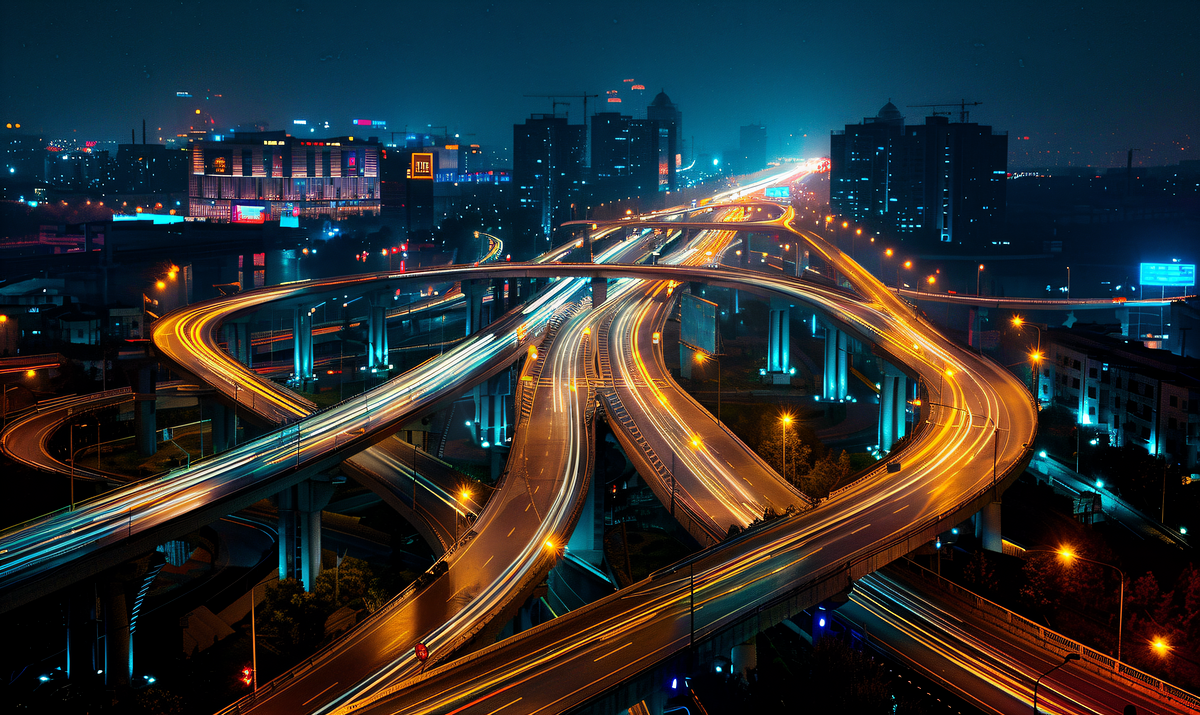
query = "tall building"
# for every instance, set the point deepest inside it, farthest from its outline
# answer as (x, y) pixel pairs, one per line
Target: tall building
(752, 148)
(548, 159)
(631, 157)
(252, 177)
(937, 182)
(664, 111)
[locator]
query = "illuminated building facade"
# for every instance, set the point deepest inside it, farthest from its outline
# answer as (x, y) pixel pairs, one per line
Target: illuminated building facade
(261, 176)
(547, 173)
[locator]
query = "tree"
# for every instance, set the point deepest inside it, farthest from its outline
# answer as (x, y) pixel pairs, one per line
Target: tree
(980, 574)
(827, 474)
(294, 620)
(797, 453)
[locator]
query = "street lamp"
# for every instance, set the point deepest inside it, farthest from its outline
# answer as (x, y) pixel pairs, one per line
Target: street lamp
(700, 358)
(784, 422)
(1067, 555)
(1066, 659)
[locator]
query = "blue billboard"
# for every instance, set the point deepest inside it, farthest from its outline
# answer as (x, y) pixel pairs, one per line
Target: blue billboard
(1168, 274)
(777, 192)
(698, 324)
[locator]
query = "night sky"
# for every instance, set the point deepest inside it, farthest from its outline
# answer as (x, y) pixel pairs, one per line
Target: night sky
(1083, 80)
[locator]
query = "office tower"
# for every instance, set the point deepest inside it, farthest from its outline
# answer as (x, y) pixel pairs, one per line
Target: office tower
(548, 159)
(752, 147)
(936, 182)
(665, 112)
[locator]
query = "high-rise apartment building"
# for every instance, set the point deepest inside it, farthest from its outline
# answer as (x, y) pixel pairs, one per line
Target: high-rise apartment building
(666, 113)
(935, 182)
(752, 148)
(252, 177)
(631, 157)
(548, 159)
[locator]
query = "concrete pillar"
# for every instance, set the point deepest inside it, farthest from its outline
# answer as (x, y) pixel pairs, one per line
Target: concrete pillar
(599, 291)
(1123, 316)
(82, 633)
(300, 529)
(302, 360)
(988, 527)
(835, 364)
(779, 337)
(118, 651)
(377, 338)
(587, 541)
(474, 292)
(224, 427)
(491, 409)
(743, 657)
(977, 316)
(893, 407)
(145, 421)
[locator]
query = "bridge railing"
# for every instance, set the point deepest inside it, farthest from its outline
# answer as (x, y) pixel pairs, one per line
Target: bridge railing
(1049, 640)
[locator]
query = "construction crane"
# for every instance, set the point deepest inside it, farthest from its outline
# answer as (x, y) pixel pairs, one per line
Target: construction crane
(554, 103)
(962, 105)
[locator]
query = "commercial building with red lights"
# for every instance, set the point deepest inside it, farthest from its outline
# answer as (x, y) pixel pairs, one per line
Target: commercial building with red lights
(263, 176)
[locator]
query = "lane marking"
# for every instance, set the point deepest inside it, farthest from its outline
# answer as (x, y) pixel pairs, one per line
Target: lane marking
(597, 660)
(306, 702)
(506, 705)
(510, 531)
(901, 509)
(852, 533)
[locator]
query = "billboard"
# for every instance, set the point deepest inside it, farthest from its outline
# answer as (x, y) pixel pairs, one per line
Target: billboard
(777, 192)
(248, 214)
(422, 166)
(698, 324)
(1168, 274)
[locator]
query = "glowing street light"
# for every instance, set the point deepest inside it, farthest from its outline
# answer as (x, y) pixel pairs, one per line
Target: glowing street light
(1068, 556)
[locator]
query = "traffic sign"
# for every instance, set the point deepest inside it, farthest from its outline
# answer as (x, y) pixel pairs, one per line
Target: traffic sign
(422, 652)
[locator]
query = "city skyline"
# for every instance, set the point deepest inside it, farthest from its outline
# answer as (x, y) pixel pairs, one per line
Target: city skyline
(1083, 85)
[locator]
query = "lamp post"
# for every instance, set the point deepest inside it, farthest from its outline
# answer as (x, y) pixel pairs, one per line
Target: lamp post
(1067, 555)
(783, 423)
(700, 358)
(1066, 659)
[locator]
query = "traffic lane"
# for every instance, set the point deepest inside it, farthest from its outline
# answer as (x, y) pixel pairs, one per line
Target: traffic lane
(983, 660)
(723, 452)
(385, 474)
(652, 617)
(538, 492)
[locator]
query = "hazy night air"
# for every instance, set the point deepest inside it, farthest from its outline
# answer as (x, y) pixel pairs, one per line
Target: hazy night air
(600, 357)
(1084, 81)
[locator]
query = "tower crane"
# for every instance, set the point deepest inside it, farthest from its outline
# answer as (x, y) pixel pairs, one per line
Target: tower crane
(962, 105)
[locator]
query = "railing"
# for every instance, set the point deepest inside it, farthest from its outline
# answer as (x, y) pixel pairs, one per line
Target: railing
(1055, 642)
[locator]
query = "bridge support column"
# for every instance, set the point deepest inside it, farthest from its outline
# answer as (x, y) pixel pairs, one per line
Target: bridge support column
(743, 657)
(83, 655)
(599, 292)
(300, 529)
(118, 651)
(145, 415)
(500, 304)
(1123, 316)
(893, 406)
(977, 317)
(302, 359)
(987, 527)
(779, 340)
(587, 541)
(377, 338)
(223, 427)
(491, 409)
(474, 292)
(237, 341)
(835, 364)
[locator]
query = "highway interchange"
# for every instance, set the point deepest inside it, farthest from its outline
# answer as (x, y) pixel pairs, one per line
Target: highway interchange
(947, 473)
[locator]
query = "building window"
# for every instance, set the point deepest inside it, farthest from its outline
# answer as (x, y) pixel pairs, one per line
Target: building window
(1174, 401)
(1092, 372)
(1171, 423)
(1091, 393)
(1075, 383)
